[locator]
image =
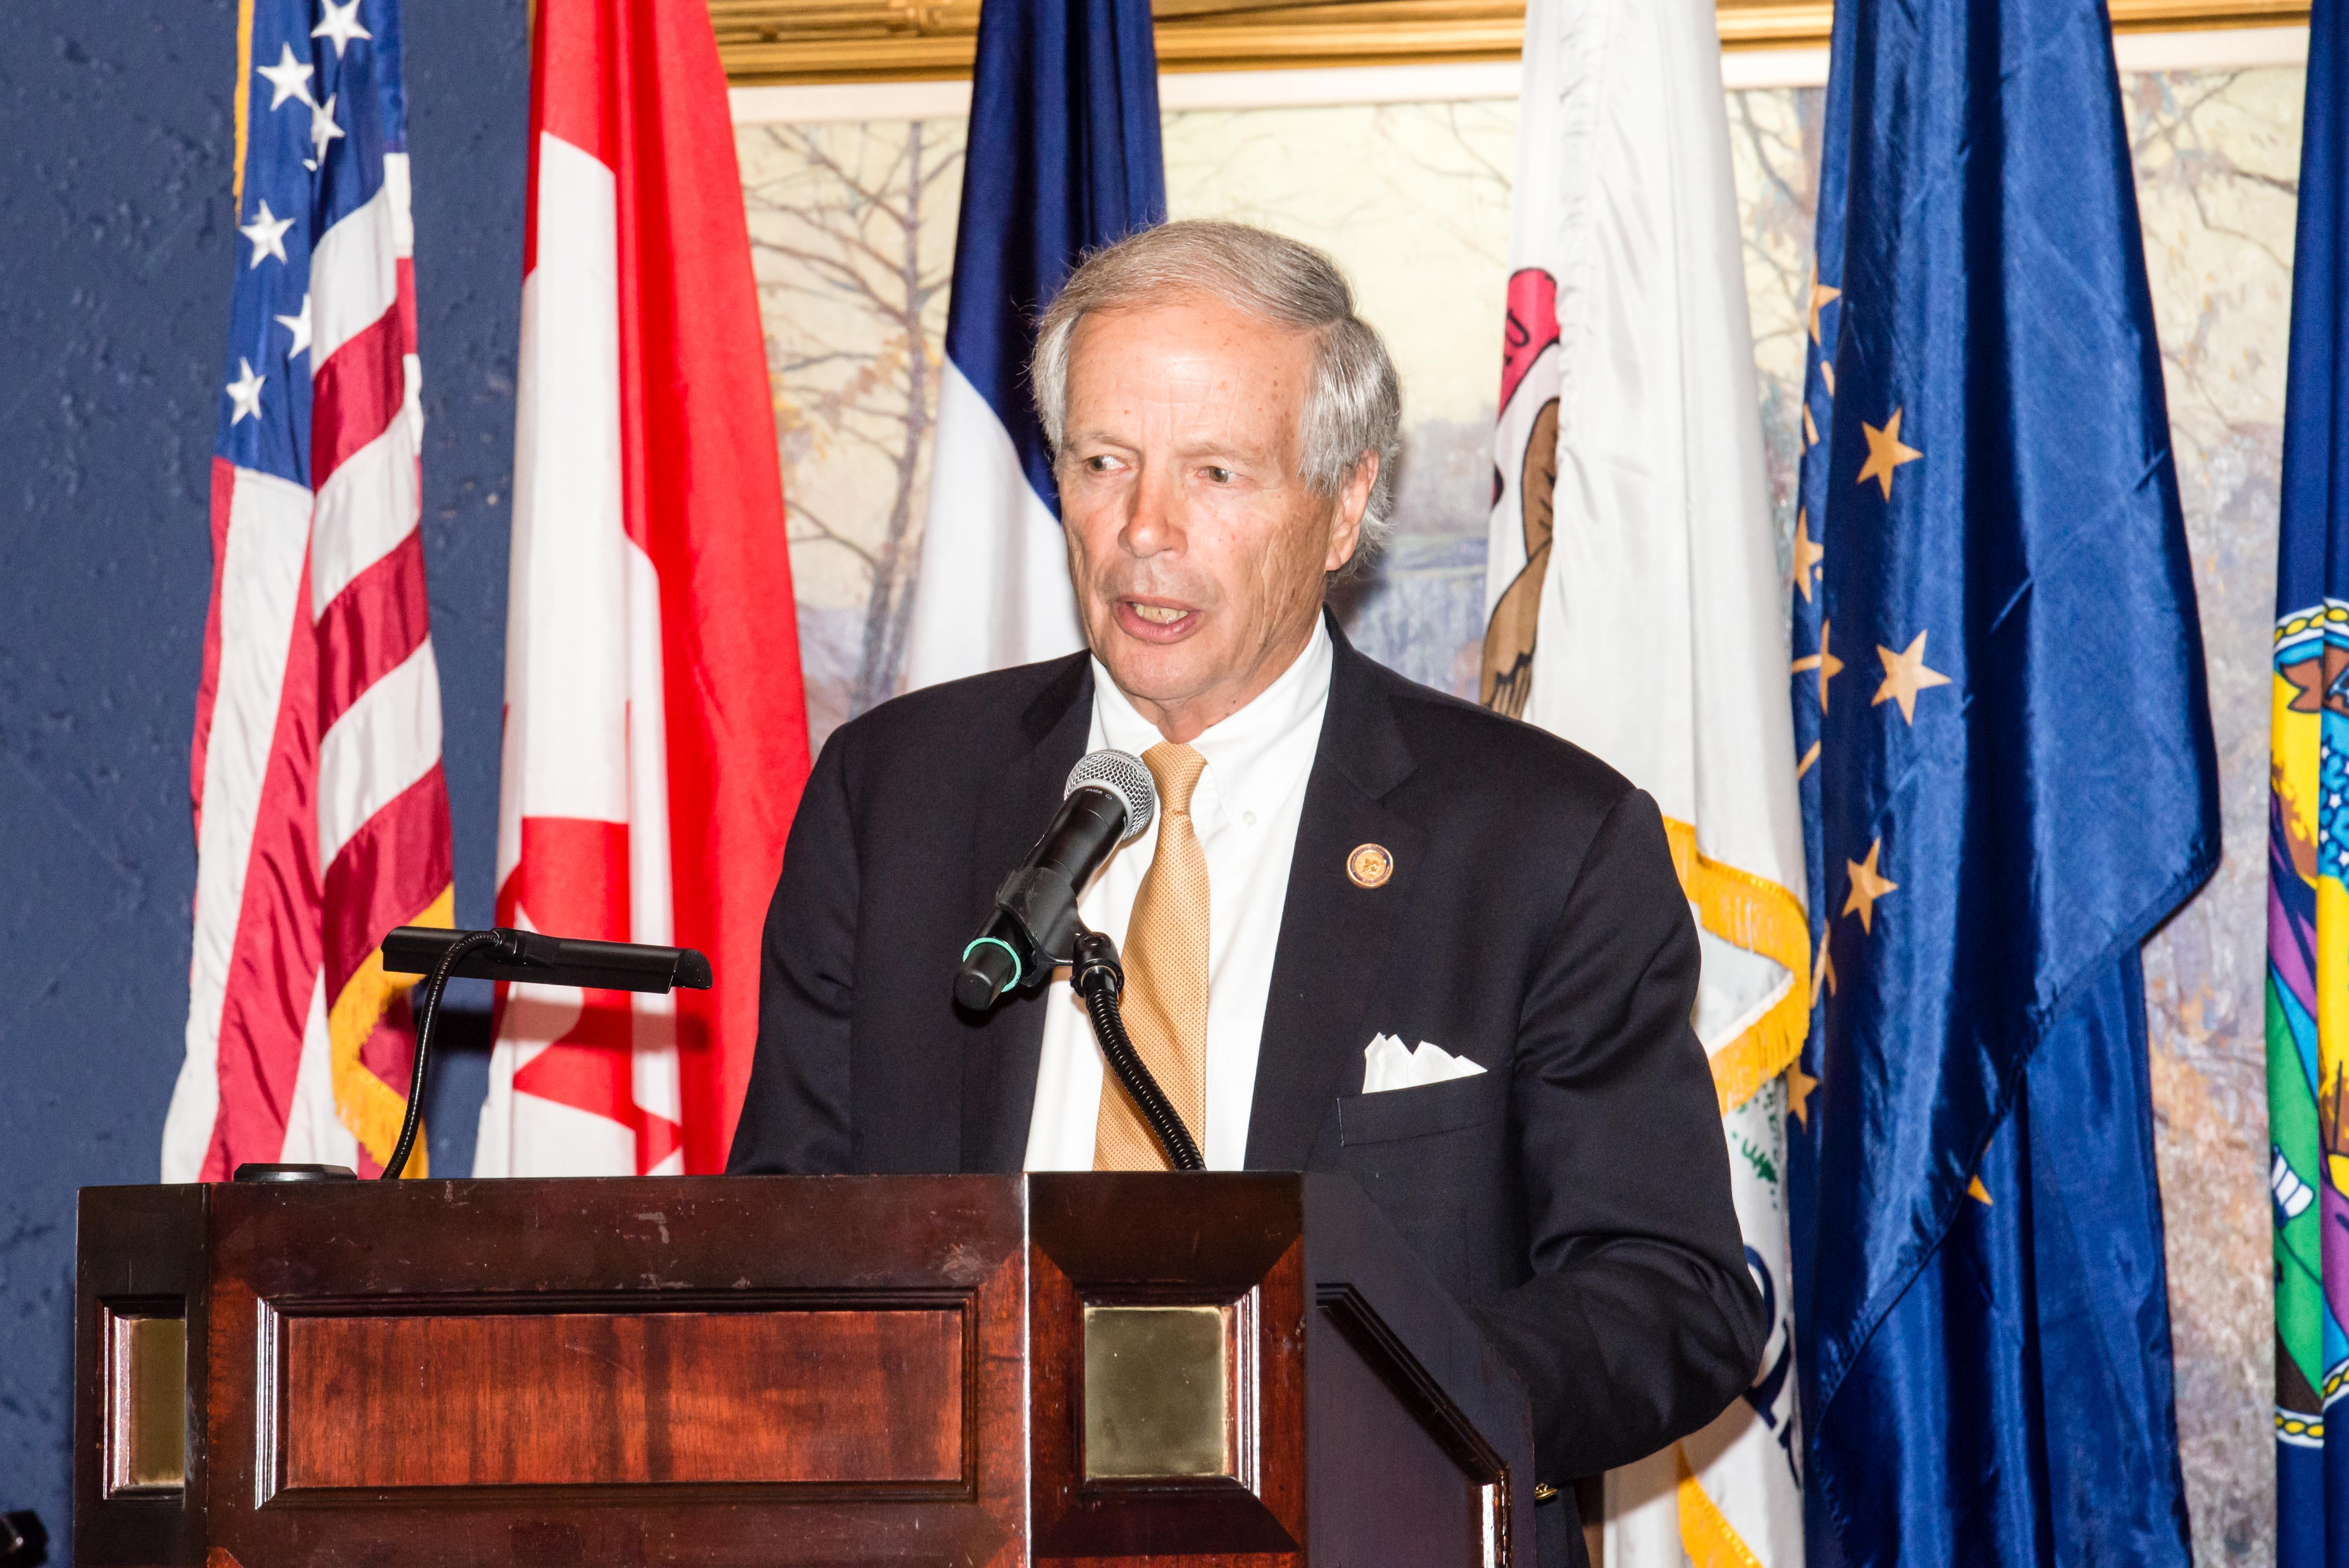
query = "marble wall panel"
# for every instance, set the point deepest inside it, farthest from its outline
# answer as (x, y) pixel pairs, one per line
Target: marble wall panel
(853, 227)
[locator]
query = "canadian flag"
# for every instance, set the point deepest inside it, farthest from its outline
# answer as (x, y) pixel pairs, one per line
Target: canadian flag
(655, 730)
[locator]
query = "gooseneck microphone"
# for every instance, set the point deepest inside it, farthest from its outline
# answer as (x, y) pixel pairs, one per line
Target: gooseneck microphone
(526, 956)
(1034, 929)
(438, 953)
(1109, 801)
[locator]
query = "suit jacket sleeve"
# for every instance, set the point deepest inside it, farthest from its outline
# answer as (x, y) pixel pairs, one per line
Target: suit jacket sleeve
(795, 1114)
(1642, 1322)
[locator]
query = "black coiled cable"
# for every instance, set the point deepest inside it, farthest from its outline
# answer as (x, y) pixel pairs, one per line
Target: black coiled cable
(1100, 978)
(434, 983)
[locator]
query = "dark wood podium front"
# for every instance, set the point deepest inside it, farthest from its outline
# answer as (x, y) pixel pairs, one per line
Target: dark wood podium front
(770, 1371)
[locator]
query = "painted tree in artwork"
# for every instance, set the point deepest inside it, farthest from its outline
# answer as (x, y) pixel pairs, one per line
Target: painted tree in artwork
(1774, 148)
(852, 230)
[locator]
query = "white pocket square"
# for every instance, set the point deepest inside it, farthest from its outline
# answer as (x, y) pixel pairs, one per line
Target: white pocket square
(1389, 1064)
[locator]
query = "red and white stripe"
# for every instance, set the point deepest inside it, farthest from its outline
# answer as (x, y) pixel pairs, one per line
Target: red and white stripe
(656, 737)
(322, 816)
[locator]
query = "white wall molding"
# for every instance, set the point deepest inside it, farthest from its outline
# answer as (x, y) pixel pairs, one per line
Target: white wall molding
(2211, 49)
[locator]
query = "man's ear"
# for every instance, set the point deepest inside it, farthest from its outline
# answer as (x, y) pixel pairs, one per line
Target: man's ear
(1353, 500)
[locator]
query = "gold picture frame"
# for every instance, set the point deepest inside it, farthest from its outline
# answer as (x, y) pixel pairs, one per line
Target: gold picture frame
(808, 41)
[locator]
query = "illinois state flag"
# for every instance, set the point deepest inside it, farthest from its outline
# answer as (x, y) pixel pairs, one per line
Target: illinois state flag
(322, 818)
(656, 735)
(1634, 597)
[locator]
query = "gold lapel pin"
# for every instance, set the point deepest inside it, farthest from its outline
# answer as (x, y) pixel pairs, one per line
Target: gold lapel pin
(1370, 865)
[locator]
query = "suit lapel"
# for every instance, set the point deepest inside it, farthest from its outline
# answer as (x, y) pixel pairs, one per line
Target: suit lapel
(1337, 938)
(1001, 1056)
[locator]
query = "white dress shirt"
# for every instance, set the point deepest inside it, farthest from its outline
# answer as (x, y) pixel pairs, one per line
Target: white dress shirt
(1245, 811)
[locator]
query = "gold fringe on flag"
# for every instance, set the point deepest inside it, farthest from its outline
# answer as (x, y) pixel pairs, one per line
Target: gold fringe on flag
(1760, 916)
(1706, 1532)
(367, 1105)
(242, 99)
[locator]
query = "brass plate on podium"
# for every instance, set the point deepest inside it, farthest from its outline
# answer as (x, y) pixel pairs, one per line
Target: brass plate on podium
(1157, 1392)
(146, 1401)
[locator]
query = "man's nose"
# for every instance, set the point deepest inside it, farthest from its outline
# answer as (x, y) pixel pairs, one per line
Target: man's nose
(1154, 523)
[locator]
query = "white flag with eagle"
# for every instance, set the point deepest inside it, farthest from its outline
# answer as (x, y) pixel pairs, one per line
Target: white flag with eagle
(1634, 600)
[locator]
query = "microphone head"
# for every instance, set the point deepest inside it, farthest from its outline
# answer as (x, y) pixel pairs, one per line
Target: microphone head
(1123, 775)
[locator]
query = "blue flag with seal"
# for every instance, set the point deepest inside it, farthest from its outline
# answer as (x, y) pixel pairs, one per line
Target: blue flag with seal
(2308, 846)
(1063, 159)
(2008, 780)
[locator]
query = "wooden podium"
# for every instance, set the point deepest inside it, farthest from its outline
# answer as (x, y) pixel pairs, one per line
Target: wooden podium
(1202, 1370)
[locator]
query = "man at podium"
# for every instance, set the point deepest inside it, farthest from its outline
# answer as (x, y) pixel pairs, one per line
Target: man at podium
(1372, 929)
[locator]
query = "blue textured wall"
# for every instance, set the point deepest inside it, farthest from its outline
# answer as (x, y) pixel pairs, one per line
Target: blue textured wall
(117, 240)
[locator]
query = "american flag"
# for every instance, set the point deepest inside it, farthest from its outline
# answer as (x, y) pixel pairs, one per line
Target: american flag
(322, 816)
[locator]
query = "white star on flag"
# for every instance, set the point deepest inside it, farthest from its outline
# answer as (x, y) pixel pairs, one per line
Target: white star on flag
(340, 23)
(323, 128)
(267, 233)
(289, 77)
(299, 325)
(246, 391)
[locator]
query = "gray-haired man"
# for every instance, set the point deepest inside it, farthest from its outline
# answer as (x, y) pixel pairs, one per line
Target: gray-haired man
(1345, 861)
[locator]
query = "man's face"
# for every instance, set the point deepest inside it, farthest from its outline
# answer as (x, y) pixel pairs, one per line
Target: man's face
(1196, 551)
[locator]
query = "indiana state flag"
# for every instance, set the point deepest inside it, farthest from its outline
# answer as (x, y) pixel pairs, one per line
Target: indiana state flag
(1063, 159)
(2008, 779)
(2308, 847)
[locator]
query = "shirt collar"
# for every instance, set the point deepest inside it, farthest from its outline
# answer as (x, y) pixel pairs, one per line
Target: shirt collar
(1257, 755)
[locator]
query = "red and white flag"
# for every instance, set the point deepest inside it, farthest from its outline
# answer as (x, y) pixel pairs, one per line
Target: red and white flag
(322, 818)
(656, 730)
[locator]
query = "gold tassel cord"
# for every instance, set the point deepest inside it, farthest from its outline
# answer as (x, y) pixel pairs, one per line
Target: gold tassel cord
(1758, 915)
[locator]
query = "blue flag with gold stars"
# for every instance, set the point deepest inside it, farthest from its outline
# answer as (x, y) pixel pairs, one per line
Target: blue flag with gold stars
(2008, 780)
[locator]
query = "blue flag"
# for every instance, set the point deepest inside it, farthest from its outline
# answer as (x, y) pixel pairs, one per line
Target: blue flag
(1063, 159)
(2008, 780)
(2308, 846)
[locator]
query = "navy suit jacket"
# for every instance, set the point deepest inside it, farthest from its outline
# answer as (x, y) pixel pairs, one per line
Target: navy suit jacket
(1575, 1195)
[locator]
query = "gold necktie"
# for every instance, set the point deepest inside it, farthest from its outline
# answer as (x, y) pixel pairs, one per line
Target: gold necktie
(1165, 1000)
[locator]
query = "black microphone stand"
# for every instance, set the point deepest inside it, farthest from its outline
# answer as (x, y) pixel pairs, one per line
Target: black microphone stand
(438, 954)
(427, 1010)
(1100, 979)
(532, 956)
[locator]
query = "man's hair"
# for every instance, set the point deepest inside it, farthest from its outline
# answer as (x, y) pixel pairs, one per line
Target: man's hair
(1353, 405)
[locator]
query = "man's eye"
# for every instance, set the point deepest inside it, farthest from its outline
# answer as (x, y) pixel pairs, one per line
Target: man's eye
(1218, 476)
(1098, 464)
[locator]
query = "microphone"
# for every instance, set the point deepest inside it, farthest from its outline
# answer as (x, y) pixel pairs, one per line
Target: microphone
(1109, 801)
(539, 959)
(437, 953)
(500, 953)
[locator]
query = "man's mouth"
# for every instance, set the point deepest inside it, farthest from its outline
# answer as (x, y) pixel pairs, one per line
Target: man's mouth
(1155, 622)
